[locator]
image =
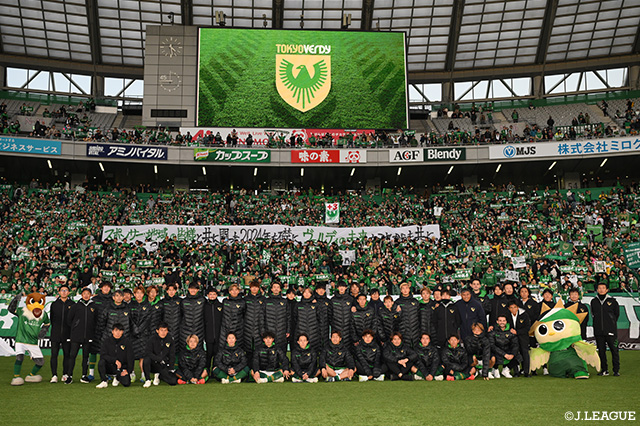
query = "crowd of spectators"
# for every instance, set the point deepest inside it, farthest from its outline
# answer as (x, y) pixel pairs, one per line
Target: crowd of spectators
(547, 238)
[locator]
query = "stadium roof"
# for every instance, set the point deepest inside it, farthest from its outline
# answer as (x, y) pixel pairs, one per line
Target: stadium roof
(444, 36)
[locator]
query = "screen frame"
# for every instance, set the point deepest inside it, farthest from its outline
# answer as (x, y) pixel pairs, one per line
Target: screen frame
(404, 41)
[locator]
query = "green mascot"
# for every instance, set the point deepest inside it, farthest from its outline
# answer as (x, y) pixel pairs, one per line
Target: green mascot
(561, 346)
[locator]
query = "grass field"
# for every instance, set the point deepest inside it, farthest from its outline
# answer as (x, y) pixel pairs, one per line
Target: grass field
(538, 400)
(238, 70)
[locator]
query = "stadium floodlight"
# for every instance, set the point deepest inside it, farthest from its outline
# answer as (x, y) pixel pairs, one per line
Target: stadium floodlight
(603, 162)
(450, 170)
(399, 170)
(346, 20)
(221, 18)
(204, 170)
(353, 170)
(255, 171)
(301, 171)
(155, 169)
(552, 165)
(49, 164)
(499, 167)
(101, 167)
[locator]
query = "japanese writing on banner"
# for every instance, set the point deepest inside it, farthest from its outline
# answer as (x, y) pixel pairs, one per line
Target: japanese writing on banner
(229, 155)
(216, 233)
(632, 255)
(140, 152)
(595, 147)
(30, 146)
(328, 156)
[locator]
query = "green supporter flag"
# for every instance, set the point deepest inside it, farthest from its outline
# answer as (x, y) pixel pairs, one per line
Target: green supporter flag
(596, 230)
(632, 255)
(565, 249)
(462, 274)
(144, 264)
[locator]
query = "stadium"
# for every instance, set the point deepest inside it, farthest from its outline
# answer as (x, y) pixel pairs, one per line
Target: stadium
(402, 209)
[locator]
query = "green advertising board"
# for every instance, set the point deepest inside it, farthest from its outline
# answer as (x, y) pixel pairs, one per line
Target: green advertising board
(301, 79)
(230, 155)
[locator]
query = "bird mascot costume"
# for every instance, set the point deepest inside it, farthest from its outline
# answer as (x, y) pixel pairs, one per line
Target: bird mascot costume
(561, 346)
(33, 324)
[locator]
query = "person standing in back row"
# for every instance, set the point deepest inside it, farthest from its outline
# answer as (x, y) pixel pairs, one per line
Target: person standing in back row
(605, 312)
(60, 333)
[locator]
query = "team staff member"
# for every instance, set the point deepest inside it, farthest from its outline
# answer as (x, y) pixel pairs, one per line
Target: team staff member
(82, 318)
(520, 323)
(116, 358)
(605, 312)
(160, 357)
(574, 297)
(60, 333)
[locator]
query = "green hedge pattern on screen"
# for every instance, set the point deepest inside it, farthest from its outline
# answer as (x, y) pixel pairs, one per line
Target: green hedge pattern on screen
(237, 80)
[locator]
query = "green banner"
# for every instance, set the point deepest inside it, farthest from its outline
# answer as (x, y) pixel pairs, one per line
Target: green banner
(462, 274)
(144, 263)
(632, 255)
(227, 155)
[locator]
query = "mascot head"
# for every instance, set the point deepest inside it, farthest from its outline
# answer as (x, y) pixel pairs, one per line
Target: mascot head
(559, 328)
(35, 304)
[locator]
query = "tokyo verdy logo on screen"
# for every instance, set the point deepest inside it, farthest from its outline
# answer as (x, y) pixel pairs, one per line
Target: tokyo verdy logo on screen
(303, 74)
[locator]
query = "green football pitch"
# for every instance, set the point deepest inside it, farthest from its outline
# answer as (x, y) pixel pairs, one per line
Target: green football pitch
(238, 69)
(540, 400)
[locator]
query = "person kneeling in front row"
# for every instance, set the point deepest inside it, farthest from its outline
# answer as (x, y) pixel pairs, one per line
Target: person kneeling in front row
(116, 358)
(270, 364)
(192, 363)
(159, 358)
(456, 361)
(336, 361)
(369, 365)
(230, 363)
(304, 362)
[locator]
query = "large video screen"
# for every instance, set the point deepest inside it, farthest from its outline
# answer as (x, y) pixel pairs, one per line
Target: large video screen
(308, 79)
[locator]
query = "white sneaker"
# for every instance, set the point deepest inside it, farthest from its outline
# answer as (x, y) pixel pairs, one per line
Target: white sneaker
(294, 380)
(102, 385)
(33, 379)
(133, 377)
(363, 378)
(380, 378)
(417, 377)
(54, 379)
(313, 380)
(439, 378)
(224, 381)
(156, 379)
(490, 375)
(280, 380)
(64, 377)
(496, 373)
(236, 381)
(262, 380)
(17, 381)
(545, 371)
(506, 373)
(147, 384)
(115, 382)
